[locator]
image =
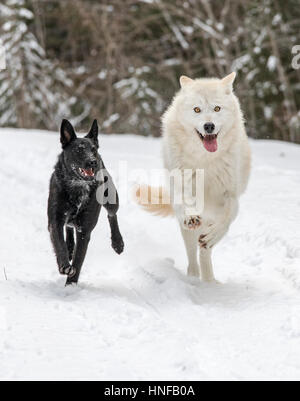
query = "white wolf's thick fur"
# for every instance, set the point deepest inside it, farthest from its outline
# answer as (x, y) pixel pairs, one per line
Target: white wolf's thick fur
(226, 170)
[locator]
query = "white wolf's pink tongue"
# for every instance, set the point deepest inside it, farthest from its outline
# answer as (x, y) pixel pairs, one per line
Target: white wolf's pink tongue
(210, 143)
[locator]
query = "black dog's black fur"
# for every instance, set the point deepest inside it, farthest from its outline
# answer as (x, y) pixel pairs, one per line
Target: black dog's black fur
(73, 204)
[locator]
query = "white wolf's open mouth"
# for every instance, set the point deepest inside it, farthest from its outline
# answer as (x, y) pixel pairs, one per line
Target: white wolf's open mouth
(87, 172)
(210, 141)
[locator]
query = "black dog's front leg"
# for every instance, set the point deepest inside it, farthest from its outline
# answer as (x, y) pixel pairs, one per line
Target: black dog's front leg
(70, 242)
(60, 248)
(117, 242)
(108, 197)
(82, 243)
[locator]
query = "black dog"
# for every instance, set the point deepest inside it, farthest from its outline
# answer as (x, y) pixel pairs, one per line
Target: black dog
(79, 186)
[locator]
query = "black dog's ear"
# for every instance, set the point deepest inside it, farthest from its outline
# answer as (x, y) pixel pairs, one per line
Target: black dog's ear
(93, 134)
(67, 133)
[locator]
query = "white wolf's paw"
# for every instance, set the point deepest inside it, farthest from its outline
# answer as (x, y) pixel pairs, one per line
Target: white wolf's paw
(211, 281)
(192, 222)
(214, 234)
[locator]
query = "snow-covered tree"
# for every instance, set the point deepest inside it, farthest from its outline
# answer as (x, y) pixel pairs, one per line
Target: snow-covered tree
(33, 91)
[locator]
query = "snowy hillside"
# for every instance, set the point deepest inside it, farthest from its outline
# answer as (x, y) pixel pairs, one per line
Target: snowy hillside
(138, 316)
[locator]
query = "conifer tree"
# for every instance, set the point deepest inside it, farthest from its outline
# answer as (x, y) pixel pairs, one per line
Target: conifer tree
(33, 92)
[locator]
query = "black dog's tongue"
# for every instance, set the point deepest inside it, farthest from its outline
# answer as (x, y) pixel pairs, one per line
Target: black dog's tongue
(89, 172)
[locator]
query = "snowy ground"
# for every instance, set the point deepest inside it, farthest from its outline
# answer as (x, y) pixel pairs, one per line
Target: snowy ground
(138, 316)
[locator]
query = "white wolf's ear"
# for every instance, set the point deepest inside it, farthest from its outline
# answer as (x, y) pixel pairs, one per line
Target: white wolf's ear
(184, 81)
(228, 82)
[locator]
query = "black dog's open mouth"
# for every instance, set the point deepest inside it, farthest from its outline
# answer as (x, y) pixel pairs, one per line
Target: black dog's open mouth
(87, 173)
(209, 141)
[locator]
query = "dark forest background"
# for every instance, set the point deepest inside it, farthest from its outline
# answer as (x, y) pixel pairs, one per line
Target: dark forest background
(120, 61)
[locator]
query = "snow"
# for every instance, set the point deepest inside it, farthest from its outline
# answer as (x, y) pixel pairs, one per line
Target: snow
(171, 62)
(206, 28)
(111, 120)
(272, 63)
(175, 29)
(268, 112)
(240, 62)
(139, 316)
(2, 57)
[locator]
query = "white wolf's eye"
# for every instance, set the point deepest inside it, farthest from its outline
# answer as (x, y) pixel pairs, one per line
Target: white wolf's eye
(217, 109)
(197, 110)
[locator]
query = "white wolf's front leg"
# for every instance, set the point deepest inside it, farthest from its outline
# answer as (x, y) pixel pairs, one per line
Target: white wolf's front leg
(191, 243)
(189, 226)
(213, 231)
(190, 240)
(207, 273)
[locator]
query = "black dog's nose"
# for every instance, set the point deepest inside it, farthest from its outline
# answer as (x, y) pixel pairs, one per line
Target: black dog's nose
(92, 164)
(209, 128)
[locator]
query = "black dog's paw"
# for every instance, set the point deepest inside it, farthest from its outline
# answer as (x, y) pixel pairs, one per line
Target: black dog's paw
(67, 271)
(118, 245)
(72, 280)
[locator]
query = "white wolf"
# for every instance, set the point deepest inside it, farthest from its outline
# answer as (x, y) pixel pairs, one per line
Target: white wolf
(204, 129)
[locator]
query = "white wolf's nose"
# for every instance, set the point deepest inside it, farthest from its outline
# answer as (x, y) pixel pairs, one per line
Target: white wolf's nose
(209, 128)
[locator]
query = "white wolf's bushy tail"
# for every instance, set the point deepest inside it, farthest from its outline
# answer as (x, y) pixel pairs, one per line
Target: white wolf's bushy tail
(154, 200)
